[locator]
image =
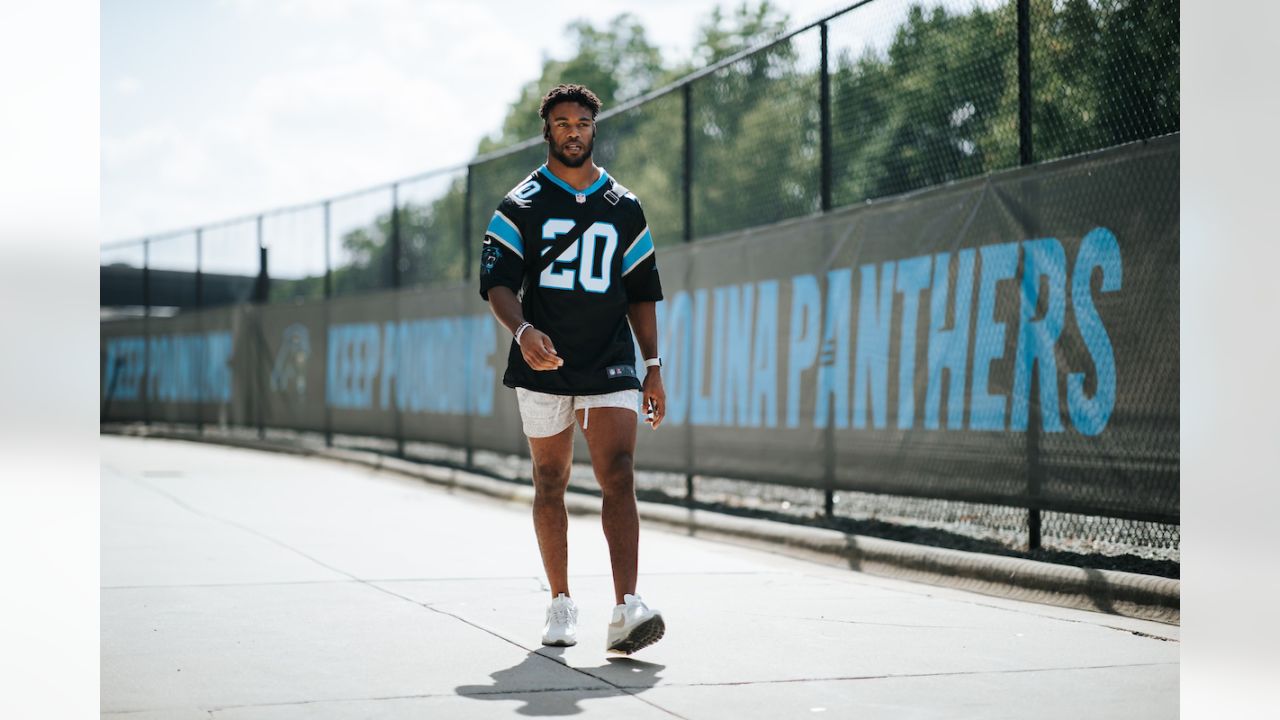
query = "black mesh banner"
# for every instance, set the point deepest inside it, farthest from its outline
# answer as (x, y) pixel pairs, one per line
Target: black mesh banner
(1010, 339)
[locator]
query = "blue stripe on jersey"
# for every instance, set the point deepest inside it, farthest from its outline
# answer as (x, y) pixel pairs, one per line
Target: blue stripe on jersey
(599, 183)
(639, 250)
(502, 229)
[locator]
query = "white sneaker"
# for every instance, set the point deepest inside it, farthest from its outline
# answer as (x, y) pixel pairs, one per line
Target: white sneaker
(634, 626)
(561, 629)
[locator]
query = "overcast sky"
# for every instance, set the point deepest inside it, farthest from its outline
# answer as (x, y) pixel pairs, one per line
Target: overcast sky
(221, 108)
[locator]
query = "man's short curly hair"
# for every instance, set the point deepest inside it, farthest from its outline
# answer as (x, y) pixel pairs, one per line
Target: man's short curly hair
(569, 93)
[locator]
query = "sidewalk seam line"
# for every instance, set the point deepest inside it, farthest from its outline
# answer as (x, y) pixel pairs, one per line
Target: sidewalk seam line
(379, 588)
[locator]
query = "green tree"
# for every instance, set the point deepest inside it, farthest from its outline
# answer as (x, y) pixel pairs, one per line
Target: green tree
(617, 62)
(1104, 72)
(940, 102)
(755, 125)
(721, 37)
(930, 108)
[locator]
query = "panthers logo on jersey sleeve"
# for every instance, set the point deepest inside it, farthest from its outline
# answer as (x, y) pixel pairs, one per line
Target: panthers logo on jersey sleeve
(489, 256)
(503, 251)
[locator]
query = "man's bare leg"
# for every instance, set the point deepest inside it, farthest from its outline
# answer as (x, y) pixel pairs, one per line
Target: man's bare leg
(552, 459)
(611, 438)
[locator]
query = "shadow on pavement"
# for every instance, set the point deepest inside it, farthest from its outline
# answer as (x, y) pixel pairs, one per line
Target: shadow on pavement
(617, 676)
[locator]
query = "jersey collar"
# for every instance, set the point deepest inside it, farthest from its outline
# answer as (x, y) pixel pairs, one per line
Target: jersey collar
(599, 183)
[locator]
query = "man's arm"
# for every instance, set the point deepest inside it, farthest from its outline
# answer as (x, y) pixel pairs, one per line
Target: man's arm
(535, 346)
(644, 323)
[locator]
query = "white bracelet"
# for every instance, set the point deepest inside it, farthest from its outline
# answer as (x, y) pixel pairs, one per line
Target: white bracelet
(523, 326)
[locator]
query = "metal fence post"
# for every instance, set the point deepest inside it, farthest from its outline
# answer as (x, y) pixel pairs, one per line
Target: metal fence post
(1035, 469)
(824, 100)
(395, 284)
(199, 268)
(824, 103)
(686, 178)
(146, 332)
(829, 460)
(686, 182)
(1026, 156)
(263, 291)
(200, 395)
(466, 226)
(328, 295)
(328, 264)
(396, 253)
(466, 277)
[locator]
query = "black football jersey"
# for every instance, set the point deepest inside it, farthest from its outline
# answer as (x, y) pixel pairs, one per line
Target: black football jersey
(580, 300)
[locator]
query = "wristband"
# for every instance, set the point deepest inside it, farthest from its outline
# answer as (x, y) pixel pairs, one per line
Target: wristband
(523, 326)
(653, 362)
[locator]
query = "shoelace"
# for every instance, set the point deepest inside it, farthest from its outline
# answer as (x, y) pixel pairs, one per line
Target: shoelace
(564, 613)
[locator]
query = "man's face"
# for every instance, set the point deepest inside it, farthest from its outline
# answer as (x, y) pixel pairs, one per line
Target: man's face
(570, 133)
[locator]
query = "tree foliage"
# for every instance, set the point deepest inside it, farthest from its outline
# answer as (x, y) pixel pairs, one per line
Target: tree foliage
(935, 101)
(617, 62)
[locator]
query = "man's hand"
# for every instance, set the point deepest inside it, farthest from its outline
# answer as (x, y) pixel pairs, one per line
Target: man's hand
(655, 397)
(538, 351)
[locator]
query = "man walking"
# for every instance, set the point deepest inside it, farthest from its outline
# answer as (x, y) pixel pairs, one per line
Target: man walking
(568, 267)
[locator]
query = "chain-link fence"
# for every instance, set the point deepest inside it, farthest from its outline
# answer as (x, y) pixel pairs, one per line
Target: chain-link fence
(883, 98)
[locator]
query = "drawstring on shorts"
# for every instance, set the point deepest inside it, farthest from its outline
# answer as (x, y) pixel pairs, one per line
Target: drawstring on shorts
(585, 411)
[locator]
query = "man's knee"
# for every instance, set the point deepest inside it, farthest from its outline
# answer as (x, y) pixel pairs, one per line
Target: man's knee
(618, 474)
(550, 479)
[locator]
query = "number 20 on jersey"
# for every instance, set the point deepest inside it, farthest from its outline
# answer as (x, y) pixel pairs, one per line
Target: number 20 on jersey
(588, 275)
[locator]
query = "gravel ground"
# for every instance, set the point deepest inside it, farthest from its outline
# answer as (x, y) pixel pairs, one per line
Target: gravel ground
(1066, 538)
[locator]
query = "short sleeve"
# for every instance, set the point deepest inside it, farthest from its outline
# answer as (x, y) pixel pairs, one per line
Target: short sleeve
(640, 267)
(502, 254)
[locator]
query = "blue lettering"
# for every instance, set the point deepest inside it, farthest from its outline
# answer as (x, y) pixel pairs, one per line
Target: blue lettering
(413, 375)
(716, 379)
(913, 277)
(871, 365)
(764, 357)
(122, 377)
(1042, 258)
(948, 349)
(439, 350)
(181, 368)
(449, 345)
(482, 338)
(1099, 250)
(833, 369)
(155, 367)
(999, 262)
(739, 305)
(677, 337)
(390, 365)
(353, 364)
(420, 360)
(706, 408)
(333, 367)
(437, 372)
(806, 305)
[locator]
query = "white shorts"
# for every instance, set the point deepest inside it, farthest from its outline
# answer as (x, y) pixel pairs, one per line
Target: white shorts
(544, 414)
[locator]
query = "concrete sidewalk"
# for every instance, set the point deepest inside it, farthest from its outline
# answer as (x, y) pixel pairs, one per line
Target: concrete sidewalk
(238, 584)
